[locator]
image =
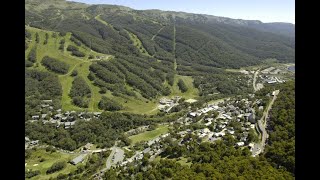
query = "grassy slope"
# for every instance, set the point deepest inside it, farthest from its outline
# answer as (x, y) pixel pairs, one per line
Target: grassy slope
(79, 64)
(138, 105)
(50, 159)
(138, 44)
(188, 80)
(148, 135)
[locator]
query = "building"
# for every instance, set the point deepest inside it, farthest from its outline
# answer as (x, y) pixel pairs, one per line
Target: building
(146, 150)
(78, 159)
(239, 144)
(192, 114)
(47, 101)
(36, 117)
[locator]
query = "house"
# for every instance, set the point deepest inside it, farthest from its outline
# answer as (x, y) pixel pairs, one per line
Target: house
(192, 114)
(251, 145)
(64, 118)
(165, 135)
(45, 105)
(78, 159)
(57, 116)
(226, 116)
(260, 108)
(68, 125)
(97, 114)
(239, 144)
(47, 101)
(252, 126)
(59, 110)
(274, 93)
(88, 146)
(36, 142)
(43, 116)
(26, 139)
(146, 150)
(252, 118)
(35, 117)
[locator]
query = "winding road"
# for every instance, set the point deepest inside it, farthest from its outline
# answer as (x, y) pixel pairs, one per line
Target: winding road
(261, 126)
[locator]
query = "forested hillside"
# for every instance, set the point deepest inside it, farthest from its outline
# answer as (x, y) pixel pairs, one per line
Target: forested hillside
(200, 39)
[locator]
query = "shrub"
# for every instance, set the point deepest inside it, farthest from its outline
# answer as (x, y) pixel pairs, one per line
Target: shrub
(56, 167)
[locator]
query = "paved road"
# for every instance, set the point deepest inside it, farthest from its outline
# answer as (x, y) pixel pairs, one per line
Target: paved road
(262, 123)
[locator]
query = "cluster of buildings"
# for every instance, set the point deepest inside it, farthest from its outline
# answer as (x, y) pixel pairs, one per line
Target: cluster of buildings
(154, 149)
(66, 119)
(29, 143)
(271, 79)
(167, 104)
(240, 111)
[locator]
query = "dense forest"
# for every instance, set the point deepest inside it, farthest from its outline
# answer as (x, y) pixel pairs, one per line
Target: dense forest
(80, 92)
(281, 143)
(55, 65)
(103, 131)
(199, 39)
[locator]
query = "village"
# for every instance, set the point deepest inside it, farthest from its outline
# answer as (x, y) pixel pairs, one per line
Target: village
(65, 119)
(231, 117)
(236, 117)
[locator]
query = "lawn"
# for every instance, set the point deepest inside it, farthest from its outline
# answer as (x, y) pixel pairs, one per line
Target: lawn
(192, 92)
(148, 135)
(50, 159)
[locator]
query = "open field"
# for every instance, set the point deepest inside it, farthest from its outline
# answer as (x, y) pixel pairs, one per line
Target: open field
(192, 92)
(49, 160)
(148, 135)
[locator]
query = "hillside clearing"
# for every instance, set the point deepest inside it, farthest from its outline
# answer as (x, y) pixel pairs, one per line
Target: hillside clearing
(148, 135)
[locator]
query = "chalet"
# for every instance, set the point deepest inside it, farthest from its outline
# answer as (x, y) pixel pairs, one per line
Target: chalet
(64, 118)
(78, 159)
(57, 116)
(88, 146)
(26, 139)
(192, 114)
(45, 105)
(68, 125)
(97, 114)
(47, 101)
(35, 117)
(146, 150)
(252, 118)
(36, 142)
(239, 144)
(219, 134)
